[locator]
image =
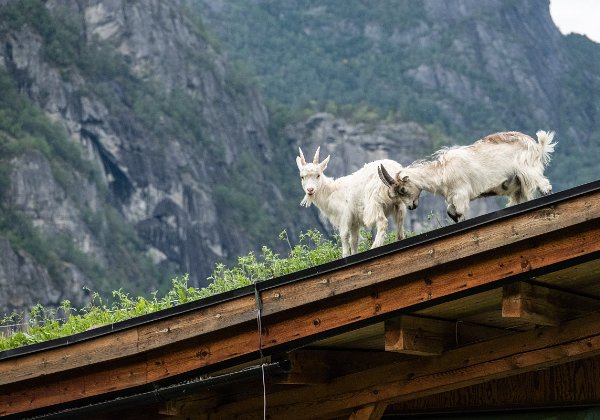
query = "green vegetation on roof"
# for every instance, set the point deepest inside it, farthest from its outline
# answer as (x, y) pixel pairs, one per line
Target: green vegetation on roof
(42, 324)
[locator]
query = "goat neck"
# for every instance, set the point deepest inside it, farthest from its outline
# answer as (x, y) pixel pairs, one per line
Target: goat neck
(427, 176)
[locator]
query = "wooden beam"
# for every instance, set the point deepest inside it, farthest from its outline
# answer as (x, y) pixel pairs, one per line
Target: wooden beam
(423, 336)
(478, 363)
(418, 336)
(543, 306)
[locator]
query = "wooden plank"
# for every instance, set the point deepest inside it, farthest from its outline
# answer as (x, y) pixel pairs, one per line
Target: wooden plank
(458, 368)
(65, 358)
(83, 383)
(540, 305)
(228, 314)
(582, 278)
(429, 287)
(196, 323)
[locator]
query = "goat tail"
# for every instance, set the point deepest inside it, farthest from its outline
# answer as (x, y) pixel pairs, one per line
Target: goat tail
(545, 140)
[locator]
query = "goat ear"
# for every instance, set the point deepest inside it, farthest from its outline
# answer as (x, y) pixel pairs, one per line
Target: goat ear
(316, 158)
(323, 164)
(301, 158)
(299, 162)
(385, 176)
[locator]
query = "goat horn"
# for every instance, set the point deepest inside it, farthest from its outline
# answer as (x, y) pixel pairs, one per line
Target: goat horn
(302, 160)
(385, 176)
(316, 158)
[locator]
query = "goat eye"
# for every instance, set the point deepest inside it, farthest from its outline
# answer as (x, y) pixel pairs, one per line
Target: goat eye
(318, 176)
(402, 190)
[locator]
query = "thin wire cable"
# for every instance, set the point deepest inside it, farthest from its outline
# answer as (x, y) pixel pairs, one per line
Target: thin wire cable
(262, 363)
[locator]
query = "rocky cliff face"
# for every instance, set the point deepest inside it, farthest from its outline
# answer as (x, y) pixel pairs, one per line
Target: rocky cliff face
(475, 32)
(25, 282)
(162, 120)
(467, 67)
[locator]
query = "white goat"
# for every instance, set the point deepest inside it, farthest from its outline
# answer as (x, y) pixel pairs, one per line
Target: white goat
(352, 201)
(508, 163)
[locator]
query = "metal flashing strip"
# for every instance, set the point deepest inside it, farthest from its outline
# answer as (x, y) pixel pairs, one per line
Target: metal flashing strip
(159, 393)
(397, 246)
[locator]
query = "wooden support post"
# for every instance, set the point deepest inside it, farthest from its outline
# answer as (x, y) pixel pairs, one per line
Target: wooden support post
(543, 306)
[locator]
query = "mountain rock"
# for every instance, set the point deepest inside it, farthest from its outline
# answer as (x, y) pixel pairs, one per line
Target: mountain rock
(469, 68)
(162, 120)
(34, 284)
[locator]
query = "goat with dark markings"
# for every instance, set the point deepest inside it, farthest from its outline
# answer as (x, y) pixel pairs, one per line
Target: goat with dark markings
(510, 164)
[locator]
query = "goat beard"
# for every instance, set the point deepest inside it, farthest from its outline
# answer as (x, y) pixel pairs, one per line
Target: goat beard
(306, 201)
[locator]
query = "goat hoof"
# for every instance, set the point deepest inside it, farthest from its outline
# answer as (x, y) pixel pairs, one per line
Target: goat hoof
(455, 217)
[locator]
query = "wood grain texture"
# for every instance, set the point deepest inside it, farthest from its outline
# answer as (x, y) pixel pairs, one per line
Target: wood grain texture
(539, 305)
